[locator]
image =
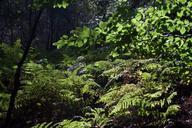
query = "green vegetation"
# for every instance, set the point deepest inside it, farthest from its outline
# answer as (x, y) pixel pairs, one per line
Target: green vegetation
(132, 70)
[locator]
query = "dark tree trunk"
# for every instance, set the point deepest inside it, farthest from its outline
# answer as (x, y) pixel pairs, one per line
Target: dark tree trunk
(17, 77)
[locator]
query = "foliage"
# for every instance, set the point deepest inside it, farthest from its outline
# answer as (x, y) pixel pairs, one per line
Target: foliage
(150, 100)
(149, 97)
(9, 55)
(156, 31)
(4, 98)
(133, 70)
(46, 88)
(95, 118)
(51, 3)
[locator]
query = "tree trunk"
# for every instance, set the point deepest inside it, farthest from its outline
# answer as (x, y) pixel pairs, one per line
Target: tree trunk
(17, 77)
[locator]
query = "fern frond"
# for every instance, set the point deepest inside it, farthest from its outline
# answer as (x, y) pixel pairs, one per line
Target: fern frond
(44, 125)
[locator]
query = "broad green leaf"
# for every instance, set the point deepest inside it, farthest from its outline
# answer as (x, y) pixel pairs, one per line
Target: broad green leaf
(119, 27)
(84, 33)
(183, 30)
(183, 1)
(103, 25)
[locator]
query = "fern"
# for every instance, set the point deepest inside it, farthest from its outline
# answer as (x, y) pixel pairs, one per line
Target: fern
(44, 125)
(64, 124)
(97, 117)
(73, 124)
(150, 97)
(145, 101)
(115, 94)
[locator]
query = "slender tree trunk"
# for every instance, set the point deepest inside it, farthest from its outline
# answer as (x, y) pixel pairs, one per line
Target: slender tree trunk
(17, 77)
